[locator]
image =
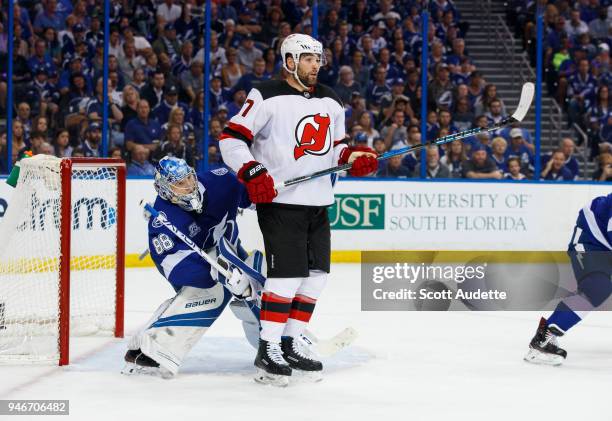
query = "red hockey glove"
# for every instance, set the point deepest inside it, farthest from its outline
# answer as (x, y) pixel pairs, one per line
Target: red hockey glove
(363, 159)
(258, 182)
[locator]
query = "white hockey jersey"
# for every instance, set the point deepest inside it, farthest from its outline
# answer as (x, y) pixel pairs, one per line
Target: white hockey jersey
(293, 134)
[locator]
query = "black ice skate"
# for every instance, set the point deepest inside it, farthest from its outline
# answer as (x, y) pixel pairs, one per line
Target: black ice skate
(299, 361)
(272, 368)
(139, 363)
(544, 347)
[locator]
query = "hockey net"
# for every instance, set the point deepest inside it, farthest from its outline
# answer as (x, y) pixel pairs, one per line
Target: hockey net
(61, 257)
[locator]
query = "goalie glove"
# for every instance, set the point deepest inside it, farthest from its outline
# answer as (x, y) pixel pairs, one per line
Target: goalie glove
(363, 159)
(239, 284)
(258, 182)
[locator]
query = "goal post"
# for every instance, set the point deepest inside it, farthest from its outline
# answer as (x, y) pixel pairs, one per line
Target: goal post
(62, 257)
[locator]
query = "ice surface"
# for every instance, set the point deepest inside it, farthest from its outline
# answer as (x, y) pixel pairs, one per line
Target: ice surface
(404, 365)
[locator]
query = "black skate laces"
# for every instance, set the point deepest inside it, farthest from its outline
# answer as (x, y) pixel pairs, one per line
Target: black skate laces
(275, 353)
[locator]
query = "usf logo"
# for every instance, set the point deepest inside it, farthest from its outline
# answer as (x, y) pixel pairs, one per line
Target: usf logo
(358, 212)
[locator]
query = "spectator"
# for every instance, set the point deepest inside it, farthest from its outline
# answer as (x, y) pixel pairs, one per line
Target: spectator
(142, 130)
(394, 168)
(115, 153)
(247, 53)
(19, 140)
(254, 78)
(604, 172)
(140, 165)
(495, 113)
(183, 62)
(235, 106)
(484, 102)
(555, 168)
(434, 169)
(162, 112)
(45, 148)
(454, 158)
(168, 11)
(61, 144)
(177, 118)
(568, 147)
(598, 27)
(378, 88)
(48, 18)
(396, 133)
(575, 26)
(95, 107)
(233, 70)
(192, 81)
(346, 85)
(498, 155)
(463, 117)
(365, 121)
(91, 143)
(129, 61)
(174, 145)
(154, 91)
(167, 43)
(518, 149)
(36, 142)
(480, 166)
(130, 105)
(441, 89)
(514, 170)
(581, 91)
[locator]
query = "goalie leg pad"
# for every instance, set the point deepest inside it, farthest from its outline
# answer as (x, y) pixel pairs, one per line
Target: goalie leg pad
(179, 327)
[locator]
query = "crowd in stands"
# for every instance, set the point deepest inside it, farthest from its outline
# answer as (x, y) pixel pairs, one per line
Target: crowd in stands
(155, 87)
(578, 73)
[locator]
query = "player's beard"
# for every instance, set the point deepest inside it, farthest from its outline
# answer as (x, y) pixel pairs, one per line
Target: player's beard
(308, 79)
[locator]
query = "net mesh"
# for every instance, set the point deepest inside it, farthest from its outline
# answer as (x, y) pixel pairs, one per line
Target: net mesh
(30, 244)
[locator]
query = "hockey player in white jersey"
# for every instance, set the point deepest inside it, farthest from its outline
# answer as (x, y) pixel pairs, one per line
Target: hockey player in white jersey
(590, 252)
(287, 129)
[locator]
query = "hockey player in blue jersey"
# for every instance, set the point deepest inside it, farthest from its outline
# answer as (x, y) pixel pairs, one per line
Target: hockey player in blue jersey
(204, 207)
(590, 252)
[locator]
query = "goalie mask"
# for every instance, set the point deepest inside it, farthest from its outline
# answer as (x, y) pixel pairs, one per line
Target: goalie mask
(176, 182)
(297, 44)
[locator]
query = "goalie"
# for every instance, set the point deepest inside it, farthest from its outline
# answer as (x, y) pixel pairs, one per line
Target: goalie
(204, 207)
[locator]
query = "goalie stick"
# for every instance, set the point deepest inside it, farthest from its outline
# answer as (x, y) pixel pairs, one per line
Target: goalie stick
(527, 93)
(323, 347)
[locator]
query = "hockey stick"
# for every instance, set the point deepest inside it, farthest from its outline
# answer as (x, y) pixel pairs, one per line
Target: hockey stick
(527, 93)
(325, 347)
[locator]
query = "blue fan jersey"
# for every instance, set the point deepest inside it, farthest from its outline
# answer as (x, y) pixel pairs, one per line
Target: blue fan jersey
(595, 225)
(181, 266)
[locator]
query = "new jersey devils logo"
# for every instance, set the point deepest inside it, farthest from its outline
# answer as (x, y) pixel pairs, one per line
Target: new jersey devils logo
(312, 136)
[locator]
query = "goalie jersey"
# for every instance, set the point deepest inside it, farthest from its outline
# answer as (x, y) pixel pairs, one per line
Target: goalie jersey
(179, 264)
(292, 133)
(595, 223)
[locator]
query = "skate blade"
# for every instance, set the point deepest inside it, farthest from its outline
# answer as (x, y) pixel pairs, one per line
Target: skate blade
(300, 376)
(262, 377)
(536, 357)
(131, 369)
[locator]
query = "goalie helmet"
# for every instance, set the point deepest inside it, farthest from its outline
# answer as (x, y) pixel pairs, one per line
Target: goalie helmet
(176, 182)
(297, 44)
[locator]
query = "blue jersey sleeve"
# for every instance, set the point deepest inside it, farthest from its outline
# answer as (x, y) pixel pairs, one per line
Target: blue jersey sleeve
(176, 261)
(595, 221)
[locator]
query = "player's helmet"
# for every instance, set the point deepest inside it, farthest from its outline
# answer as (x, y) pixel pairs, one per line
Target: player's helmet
(176, 182)
(298, 44)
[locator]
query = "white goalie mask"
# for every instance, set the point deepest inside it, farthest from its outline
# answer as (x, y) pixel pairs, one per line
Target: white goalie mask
(297, 44)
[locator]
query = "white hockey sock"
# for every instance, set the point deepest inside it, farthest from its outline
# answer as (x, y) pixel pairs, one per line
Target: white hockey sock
(275, 306)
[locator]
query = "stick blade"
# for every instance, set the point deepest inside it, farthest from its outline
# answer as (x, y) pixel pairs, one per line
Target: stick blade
(527, 94)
